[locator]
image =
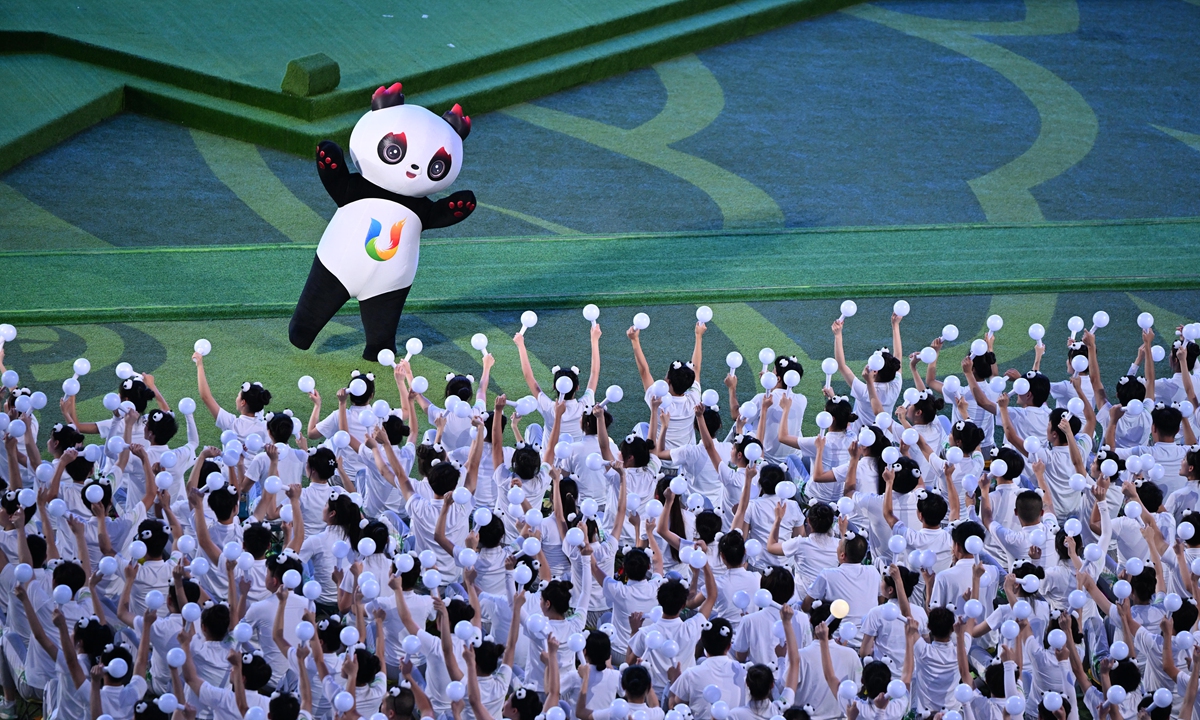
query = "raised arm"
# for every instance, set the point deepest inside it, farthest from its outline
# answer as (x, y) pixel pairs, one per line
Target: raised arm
(839, 354)
(206, 395)
(698, 349)
(526, 368)
(594, 370)
(639, 358)
(710, 447)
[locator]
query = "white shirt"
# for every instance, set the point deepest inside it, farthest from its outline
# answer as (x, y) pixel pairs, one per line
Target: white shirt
(261, 617)
(628, 598)
(890, 642)
(722, 671)
(773, 450)
(681, 409)
(684, 632)
(812, 688)
(424, 514)
(935, 675)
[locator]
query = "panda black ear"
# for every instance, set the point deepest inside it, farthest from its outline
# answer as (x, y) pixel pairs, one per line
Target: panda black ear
(387, 97)
(461, 123)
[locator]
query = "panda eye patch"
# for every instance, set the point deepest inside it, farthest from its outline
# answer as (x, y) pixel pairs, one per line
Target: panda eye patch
(393, 148)
(439, 166)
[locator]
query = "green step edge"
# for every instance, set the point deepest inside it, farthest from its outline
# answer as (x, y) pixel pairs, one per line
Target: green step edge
(225, 108)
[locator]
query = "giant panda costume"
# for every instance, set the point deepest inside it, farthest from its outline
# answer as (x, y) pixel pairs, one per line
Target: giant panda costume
(371, 247)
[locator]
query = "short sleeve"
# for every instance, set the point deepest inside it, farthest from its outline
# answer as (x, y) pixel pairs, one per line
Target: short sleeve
(225, 419)
(329, 425)
(213, 696)
(819, 587)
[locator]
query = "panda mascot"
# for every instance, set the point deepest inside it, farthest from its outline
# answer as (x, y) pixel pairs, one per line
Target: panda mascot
(371, 247)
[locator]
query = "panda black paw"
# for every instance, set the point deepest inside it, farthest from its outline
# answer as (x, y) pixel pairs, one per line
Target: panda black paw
(461, 204)
(330, 157)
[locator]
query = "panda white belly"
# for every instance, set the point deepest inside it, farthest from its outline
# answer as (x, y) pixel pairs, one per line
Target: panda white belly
(372, 246)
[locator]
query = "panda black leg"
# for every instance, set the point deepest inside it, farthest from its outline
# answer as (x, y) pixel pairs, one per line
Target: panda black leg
(322, 297)
(380, 317)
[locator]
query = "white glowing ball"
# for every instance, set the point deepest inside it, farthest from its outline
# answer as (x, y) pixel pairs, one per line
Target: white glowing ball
(896, 689)
(769, 381)
(200, 566)
(1010, 629)
(1133, 510)
(994, 323)
(999, 468)
(94, 493)
(762, 598)
(847, 690)
(1122, 589)
(414, 346)
(191, 612)
(845, 506)
(1135, 565)
(951, 385)
(901, 308)
(891, 454)
(82, 366)
(591, 312)
(849, 308)
(839, 608)
(974, 545)
(1100, 319)
(641, 321)
(897, 544)
(766, 356)
(949, 333)
(108, 565)
(698, 560)
(523, 574)
(753, 452)
(978, 348)
(973, 608)
(531, 546)
(1031, 583)
(866, 437)
(411, 644)
(1145, 321)
(343, 701)
(1116, 694)
(1021, 386)
(1162, 698)
(734, 360)
(1157, 353)
(824, 420)
(786, 489)
(176, 657)
(704, 314)
(1075, 324)
(242, 632)
(590, 508)
(1015, 705)
(124, 370)
(63, 595)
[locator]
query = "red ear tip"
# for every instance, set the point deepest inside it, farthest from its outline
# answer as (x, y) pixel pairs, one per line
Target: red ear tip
(396, 87)
(457, 109)
(378, 92)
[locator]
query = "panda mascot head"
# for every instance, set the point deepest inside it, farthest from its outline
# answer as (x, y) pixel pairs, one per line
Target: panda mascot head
(407, 149)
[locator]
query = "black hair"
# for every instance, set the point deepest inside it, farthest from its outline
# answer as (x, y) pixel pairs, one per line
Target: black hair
(150, 710)
(492, 534)
(1023, 571)
(1039, 388)
(443, 477)
(526, 462)
(408, 580)
(928, 406)
(567, 373)
(1105, 453)
(760, 680)
(426, 454)
(1194, 516)
(1029, 507)
(256, 673)
(1056, 416)
(378, 532)
(488, 654)
(941, 623)
(323, 462)
(635, 681)
(906, 476)
(909, 578)
(1193, 352)
(993, 677)
(1126, 674)
(1166, 420)
(1155, 712)
(331, 636)
(284, 706)
(93, 638)
(707, 524)
(780, 583)
(369, 381)
(346, 515)
(161, 425)
(460, 387)
(933, 509)
(891, 366)
(223, 503)
(256, 398)
(66, 436)
(79, 469)
(769, 476)
(875, 678)
(843, 413)
(637, 564)
(796, 712)
(280, 564)
(71, 574)
(635, 451)
(368, 666)
(256, 540)
(681, 377)
(1151, 496)
(717, 638)
(136, 392)
(558, 595)
(1185, 617)
(215, 620)
(397, 431)
(597, 650)
(280, 427)
(1130, 387)
(968, 434)
(820, 517)
(875, 451)
(1078, 349)
(675, 520)
(855, 548)
(152, 534)
(208, 467)
(488, 417)
(672, 596)
(105, 499)
(712, 420)
(1013, 459)
(119, 652)
(981, 365)
(964, 530)
(732, 547)
(37, 550)
(587, 422)
(1144, 583)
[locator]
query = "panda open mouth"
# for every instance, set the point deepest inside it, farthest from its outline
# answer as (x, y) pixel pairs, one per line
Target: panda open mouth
(411, 174)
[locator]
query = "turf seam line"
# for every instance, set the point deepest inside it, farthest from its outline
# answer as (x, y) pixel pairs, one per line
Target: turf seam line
(612, 237)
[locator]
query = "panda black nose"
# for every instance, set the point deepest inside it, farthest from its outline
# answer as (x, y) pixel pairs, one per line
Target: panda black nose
(416, 166)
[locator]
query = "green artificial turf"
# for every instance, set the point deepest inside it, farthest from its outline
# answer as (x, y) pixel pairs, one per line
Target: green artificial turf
(563, 271)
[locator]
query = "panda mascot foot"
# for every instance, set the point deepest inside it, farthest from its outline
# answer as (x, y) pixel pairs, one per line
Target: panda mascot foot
(371, 247)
